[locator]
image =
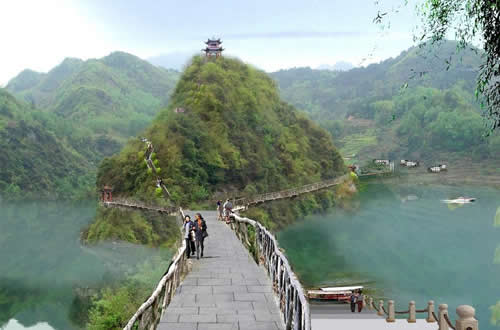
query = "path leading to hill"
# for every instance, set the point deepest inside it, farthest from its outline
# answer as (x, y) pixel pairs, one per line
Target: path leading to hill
(224, 290)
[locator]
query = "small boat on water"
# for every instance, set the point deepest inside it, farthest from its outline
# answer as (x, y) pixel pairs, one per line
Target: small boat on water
(459, 200)
(339, 293)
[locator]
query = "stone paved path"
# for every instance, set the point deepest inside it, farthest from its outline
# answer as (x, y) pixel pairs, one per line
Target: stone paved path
(224, 290)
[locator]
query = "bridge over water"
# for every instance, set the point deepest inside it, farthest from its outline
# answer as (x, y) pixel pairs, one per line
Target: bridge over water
(245, 282)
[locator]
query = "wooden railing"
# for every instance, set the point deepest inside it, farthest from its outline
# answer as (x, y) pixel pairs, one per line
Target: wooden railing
(465, 321)
(149, 314)
(139, 206)
(293, 303)
(243, 203)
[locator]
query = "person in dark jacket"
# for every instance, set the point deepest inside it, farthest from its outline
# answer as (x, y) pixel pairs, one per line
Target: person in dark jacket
(200, 229)
(188, 225)
(353, 299)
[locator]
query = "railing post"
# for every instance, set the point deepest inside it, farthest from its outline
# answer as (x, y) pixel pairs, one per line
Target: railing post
(380, 308)
(392, 314)
(412, 315)
(443, 309)
(430, 310)
(466, 319)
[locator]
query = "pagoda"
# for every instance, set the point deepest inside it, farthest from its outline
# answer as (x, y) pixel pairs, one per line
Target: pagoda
(213, 48)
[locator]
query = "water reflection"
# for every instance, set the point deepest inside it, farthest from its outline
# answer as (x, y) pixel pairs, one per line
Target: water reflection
(46, 275)
(15, 325)
(416, 250)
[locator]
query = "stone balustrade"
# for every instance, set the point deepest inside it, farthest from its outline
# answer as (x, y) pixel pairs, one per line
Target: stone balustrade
(465, 314)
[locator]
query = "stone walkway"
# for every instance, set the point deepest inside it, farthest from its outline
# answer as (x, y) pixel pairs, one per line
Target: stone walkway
(224, 290)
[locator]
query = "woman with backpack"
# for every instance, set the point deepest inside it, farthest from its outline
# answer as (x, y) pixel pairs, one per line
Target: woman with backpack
(200, 229)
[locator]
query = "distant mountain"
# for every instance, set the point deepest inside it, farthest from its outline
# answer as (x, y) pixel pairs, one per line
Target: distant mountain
(35, 162)
(338, 66)
(175, 60)
(419, 104)
(114, 97)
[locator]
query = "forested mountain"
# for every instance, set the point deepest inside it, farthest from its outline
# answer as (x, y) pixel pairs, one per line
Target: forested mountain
(67, 120)
(114, 97)
(233, 133)
(420, 104)
(35, 162)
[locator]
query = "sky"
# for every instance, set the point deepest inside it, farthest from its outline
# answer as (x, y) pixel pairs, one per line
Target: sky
(270, 34)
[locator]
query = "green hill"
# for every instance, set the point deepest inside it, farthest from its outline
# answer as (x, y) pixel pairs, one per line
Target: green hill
(420, 105)
(35, 162)
(235, 135)
(114, 97)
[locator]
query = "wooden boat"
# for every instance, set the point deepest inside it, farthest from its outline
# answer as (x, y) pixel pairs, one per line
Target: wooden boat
(340, 293)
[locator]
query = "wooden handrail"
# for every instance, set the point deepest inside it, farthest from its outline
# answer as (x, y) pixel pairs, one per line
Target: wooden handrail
(294, 306)
(164, 291)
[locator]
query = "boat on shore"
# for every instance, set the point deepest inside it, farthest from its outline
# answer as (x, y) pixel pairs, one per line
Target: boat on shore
(339, 293)
(459, 200)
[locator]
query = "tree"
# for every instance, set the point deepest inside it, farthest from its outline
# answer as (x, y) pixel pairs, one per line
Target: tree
(471, 21)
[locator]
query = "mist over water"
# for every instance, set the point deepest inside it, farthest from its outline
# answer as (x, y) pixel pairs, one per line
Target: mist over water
(402, 241)
(44, 268)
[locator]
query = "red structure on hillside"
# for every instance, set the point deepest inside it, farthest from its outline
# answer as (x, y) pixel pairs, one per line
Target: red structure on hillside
(106, 194)
(213, 48)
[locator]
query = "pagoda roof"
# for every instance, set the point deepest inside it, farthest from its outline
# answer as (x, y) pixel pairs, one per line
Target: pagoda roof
(220, 49)
(213, 40)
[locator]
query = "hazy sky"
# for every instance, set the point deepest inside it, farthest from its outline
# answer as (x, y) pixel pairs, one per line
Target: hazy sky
(271, 34)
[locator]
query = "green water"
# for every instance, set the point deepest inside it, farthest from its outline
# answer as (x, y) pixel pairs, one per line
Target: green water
(45, 273)
(415, 248)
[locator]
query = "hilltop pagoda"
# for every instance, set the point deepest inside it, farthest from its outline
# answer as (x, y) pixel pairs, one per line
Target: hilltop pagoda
(213, 48)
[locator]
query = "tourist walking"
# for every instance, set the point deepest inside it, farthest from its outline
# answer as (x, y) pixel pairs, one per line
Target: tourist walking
(353, 300)
(200, 229)
(228, 207)
(188, 225)
(219, 210)
(359, 300)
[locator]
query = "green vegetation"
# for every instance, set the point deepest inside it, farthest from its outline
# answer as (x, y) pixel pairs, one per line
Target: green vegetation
(235, 136)
(117, 301)
(136, 227)
(67, 120)
(472, 21)
(406, 107)
(113, 98)
(37, 162)
(115, 305)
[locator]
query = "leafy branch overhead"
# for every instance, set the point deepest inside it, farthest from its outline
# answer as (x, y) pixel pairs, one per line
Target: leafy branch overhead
(472, 22)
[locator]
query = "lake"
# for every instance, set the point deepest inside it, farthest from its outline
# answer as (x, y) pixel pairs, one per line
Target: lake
(400, 241)
(46, 275)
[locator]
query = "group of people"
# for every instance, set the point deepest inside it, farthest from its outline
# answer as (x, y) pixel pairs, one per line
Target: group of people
(224, 210)
(195, 232)
(356, 299)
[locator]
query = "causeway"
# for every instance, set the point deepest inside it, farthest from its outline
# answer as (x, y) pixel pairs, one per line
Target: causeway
(226, 289)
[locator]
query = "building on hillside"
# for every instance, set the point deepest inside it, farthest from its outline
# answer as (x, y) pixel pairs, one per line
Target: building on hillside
(213, 48)
(437, 169)
(106, 194)
(409, 163)
(382, 162)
